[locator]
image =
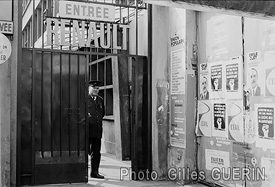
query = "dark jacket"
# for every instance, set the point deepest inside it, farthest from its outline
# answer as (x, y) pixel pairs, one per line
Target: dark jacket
(97, 112)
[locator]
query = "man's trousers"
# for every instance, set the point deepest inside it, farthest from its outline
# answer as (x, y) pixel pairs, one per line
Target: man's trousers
(95, 146)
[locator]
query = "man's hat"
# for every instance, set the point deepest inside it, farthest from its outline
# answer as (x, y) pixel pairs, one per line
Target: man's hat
(94, 82)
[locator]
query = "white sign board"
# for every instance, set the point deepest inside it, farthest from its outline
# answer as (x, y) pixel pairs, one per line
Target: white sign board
(6, 27)
(5, 48)
(81, 10)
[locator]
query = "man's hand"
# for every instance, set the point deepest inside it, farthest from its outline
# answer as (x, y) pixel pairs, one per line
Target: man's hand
(89, 114)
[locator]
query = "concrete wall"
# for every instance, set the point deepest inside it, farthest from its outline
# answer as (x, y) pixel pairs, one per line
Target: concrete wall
(8, 110)
(160, 58)
(168, 21)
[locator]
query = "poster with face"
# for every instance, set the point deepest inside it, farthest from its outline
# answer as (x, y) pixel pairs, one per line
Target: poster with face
(235, 120)
(216, 80)
(255, 80)
(204, 82)
(265, 125)
(203, 127)
(233, 70)
(219, 128)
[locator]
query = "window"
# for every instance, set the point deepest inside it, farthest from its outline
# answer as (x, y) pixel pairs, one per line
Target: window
(101, 69)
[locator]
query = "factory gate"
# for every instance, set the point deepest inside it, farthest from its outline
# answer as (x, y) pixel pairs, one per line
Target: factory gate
(52, 141)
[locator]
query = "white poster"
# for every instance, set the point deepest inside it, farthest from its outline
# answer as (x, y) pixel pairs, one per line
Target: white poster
(204, 82)
(219, 124)
(204, 118)
(265, 125)
(235, 120)
(269, 170)
(255, 76)
(250, 127)
(178, 71)
(269, 73)
(177, 59)
(216, 159)
(234, 80)
(217, 81)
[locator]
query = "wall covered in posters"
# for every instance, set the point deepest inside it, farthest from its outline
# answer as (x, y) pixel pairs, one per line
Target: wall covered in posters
(237, 119)
(220, 114)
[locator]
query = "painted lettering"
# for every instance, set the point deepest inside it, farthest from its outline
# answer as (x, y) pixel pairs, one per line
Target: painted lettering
(68, 9)
(105, 13)
(3, 57)
(271, 81)
(98, 12)
(107, 36)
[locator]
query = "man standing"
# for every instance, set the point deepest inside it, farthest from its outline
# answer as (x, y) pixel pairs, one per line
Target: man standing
(96, 113)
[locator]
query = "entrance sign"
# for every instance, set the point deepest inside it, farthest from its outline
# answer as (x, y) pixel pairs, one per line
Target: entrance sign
(89, 11)
(6, 27)
(79, 34)
(5, 48)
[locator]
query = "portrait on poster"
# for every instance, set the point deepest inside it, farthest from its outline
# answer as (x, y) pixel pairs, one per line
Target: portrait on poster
(204, 82)
(255, 80)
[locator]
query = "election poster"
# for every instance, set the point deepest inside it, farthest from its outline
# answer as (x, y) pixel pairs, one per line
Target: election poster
(217, 159)
(255, 79)
(250, 127)
(269, 73)
(265, 125)
(235, 120)
(217, 80)
(203, 127)
(204, 82)
(178, 64)
(233, 74)
(178, 121)
(269, 170)
(219, 128)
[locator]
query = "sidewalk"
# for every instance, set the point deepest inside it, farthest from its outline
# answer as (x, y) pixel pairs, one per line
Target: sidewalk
(110, 168)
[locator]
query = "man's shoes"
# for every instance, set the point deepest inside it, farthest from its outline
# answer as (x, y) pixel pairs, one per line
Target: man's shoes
(96, 175)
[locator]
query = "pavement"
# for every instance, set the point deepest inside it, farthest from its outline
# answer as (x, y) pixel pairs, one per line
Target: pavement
(110, 167)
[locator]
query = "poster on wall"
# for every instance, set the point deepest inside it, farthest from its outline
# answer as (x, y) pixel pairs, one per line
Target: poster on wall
(178, 65)
(269, 170)
(269, 57)
(203, 127)
(219, 124)
(265, 125)
(250, 127)
(178, 128)
(235, 120)
(255, 75)
(233, 74)
(217, 159)
(216, 80)
(204, 82)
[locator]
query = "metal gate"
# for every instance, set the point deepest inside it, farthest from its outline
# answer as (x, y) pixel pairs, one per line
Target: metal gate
(53, 113)
(53, 87)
